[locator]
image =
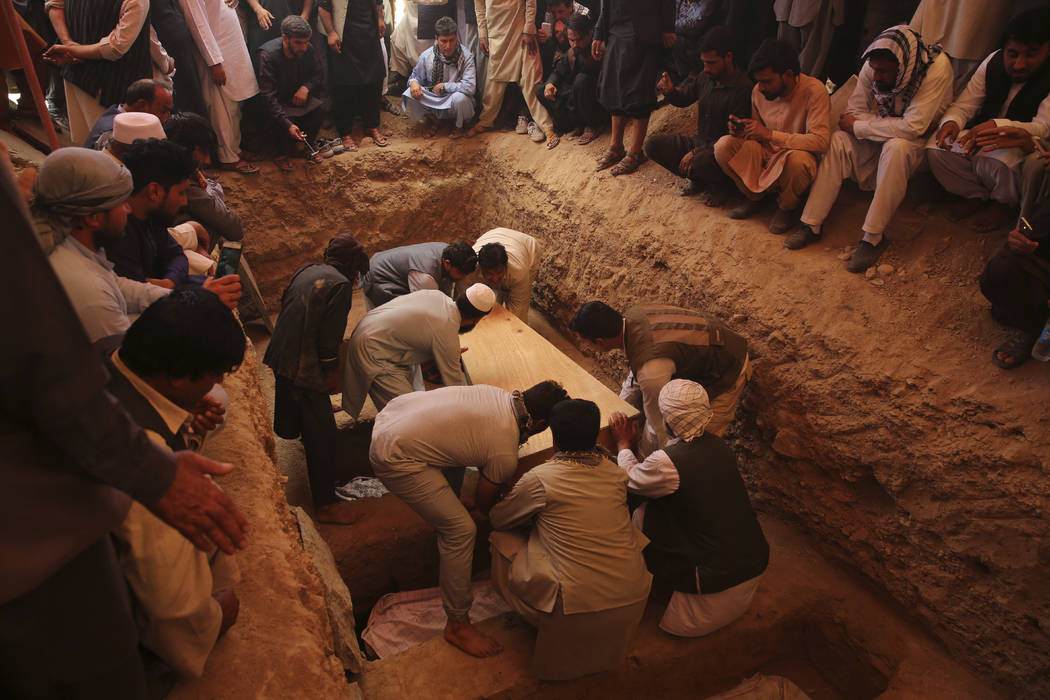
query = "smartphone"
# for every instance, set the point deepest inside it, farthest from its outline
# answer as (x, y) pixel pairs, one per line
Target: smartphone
(737, 123)
(546, 27)
(229, 259)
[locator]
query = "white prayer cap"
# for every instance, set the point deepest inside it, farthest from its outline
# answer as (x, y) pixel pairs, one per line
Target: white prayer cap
(481, 297)
(685, 407)
(128, 126)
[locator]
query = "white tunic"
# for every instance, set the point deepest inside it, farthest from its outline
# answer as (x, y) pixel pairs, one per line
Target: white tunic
(217, 33)
(523, 259)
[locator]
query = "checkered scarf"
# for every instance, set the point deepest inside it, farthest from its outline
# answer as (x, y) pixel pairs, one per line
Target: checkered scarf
(685, 407)
(437, 72)
(914, 58)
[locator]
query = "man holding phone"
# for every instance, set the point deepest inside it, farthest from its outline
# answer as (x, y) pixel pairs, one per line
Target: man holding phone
(994, 123)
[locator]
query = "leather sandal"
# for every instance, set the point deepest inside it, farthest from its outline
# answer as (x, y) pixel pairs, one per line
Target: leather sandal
(611, 157)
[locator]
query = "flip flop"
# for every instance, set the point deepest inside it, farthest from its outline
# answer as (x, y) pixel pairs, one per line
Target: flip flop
(1017, 348)
(242, 166)
(349, 144)
(284, 164)
(628, 164)
(430, 130)
(378, 138)
(609, 158)
(455, 134)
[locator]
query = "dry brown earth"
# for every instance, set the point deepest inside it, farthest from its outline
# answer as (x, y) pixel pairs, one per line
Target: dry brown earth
(875, 420)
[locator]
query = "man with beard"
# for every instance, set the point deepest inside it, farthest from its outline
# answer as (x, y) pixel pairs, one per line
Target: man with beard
(778, 146)
(390, 343)
(988, 131)
(904, 86)
(161, 172)
(80, 204)
(571, 91)
(722, 89)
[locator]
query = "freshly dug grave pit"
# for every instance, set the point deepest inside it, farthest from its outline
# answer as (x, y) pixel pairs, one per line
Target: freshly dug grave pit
(874, 421)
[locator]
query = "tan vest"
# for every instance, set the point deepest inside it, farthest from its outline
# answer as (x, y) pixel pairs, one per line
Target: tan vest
(704, 349)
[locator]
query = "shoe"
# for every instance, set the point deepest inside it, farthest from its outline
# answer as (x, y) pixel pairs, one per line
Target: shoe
(783, 221)
(801, 238)
(690, 188)
(746, 210)
(536, 133)
(324, 148)
(523, 125)
(866, 255)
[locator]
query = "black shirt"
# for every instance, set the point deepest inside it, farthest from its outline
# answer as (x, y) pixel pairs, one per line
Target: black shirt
(716, 102)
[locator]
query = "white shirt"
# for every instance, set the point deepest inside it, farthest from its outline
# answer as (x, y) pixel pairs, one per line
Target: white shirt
(515, 290)
(971, 98)
(217, 33)
(101, 299)
(928, 103)
(649, 381)
(654, 477)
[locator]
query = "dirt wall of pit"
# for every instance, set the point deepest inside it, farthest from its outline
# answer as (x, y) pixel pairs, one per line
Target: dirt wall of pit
(874, 419)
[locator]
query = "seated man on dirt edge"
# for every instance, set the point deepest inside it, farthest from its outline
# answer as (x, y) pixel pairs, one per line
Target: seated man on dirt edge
(146, 95)
(292, 85)
(903, 88)
(720, 90)
(304, 356)
(392, 341)
(704, 539)
(423, 440)
(441, 87)
(777, 145)
(409, 268)
(172, 356)
(570, 93)
(578, 576)
(662, 343)
(508, 261)
(1017, 282)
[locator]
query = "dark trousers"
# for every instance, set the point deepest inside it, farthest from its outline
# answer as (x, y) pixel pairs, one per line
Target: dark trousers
(167, 20)
(73, 636)
(1018, 288)
(575, 107)
(669, 149)
(310, 123)
(350, 101)
(307, 414)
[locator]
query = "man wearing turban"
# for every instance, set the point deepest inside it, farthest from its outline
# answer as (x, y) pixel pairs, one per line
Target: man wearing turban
(705, 541)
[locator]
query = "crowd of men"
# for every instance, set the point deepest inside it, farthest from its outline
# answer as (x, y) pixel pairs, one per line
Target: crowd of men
(128, 331)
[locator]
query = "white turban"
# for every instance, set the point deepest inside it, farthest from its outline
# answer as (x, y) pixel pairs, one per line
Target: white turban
(685, 407)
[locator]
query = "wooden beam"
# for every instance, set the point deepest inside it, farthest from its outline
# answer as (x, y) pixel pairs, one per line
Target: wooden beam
(505, 352)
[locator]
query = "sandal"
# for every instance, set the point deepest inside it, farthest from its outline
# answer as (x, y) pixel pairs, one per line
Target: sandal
(284, 164)
(337, 146)
(378, 138)
(387, 106)
(430, 130)
(242, 166)
(1017, 350)
(553, 141)
(589, 135)
(477, 129)
(610, 157)
(628, 164)
(349, 144)
(455, 134)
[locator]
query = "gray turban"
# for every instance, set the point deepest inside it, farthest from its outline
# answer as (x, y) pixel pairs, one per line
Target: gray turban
(75, 182)
(685, 407)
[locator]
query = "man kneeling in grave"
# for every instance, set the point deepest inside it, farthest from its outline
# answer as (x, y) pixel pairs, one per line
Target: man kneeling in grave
(508, 261)
(577, 573)
(423, 440)
(704, 539)
(442, 84)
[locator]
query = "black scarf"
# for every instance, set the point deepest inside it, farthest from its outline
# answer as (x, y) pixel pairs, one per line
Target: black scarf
(997, 88)
(437, 73)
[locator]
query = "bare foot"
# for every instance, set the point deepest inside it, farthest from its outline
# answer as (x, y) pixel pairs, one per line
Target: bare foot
(964, 208)
(995, 216)
(464, 636)
(230, 605)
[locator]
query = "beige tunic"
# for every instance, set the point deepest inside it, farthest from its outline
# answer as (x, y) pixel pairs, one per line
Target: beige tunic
(799, 122)
(503, 22)
(582, 544)
(523, 261)
(967, 29)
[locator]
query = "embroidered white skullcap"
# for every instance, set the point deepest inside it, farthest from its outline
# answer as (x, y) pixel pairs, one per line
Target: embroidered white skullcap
(128, 126)
(685, 407)
(481, 297)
